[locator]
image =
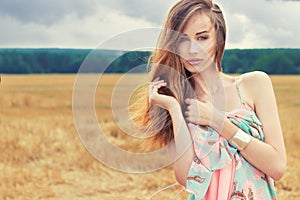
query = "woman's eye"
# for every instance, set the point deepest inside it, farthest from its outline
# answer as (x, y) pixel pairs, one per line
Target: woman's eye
(202, 38)
(183, 39)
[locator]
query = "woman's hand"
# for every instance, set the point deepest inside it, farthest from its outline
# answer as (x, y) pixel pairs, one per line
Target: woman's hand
(203, 113)
(161, 100)
(198, 112)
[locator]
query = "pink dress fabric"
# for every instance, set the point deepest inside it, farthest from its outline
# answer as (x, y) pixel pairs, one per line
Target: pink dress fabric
(221, 183)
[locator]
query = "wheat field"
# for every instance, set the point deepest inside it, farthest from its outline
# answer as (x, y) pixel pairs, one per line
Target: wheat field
(42, 156)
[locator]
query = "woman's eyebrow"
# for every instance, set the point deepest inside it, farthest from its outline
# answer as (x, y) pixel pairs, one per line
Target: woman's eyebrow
(199, 33)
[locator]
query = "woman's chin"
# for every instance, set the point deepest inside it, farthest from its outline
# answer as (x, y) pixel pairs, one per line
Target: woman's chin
(196, 68)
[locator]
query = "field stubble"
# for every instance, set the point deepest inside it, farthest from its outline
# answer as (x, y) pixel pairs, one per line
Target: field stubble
(42, 156)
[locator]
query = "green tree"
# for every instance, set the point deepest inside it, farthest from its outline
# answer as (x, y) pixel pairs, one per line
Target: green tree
(233, 64)
(276, 63)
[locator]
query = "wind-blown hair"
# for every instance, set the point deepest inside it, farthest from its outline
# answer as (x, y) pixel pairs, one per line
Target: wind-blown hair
(166, 64)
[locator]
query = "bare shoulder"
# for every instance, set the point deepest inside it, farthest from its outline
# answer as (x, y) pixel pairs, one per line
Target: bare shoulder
(256, 85)
(255, 77)
(257, 81)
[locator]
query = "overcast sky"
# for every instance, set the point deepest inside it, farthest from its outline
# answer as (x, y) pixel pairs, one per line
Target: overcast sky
(90, 23)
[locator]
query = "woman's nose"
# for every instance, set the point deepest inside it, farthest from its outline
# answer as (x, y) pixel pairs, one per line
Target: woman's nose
(194, 47)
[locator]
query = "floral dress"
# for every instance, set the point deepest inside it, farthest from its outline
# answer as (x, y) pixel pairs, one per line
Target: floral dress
(219, 171)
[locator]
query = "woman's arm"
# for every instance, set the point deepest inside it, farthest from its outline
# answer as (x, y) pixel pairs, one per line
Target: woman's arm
(181, 150)
(268, 156)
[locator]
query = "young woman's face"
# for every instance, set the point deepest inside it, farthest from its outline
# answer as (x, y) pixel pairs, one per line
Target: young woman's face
(197, 43)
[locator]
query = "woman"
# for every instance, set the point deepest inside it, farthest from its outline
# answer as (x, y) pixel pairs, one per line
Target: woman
(232, 122)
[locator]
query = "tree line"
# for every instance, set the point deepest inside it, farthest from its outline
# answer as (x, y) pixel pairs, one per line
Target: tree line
(26, 61)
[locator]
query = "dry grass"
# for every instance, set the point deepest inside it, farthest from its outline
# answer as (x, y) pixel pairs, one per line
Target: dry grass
(42, 156)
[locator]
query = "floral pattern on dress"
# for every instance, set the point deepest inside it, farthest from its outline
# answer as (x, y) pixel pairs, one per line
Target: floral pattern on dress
(213, 153)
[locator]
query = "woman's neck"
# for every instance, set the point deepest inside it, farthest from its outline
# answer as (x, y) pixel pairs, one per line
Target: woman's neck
(207, 83)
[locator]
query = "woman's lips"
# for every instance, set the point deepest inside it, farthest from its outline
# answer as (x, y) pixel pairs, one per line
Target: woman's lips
(195, 61)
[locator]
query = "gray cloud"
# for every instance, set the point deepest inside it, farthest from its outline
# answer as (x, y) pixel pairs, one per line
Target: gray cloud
(46, 11)
(151, 10)
(251, 24)
(263, 23)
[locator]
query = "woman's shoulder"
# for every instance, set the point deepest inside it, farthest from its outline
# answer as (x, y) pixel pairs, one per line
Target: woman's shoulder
(256, 81)
(255, 78)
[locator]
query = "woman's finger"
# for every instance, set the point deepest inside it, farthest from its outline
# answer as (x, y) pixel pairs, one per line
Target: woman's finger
(188, 108)
(159, 85)
(187, 101)
(153, 90)
(156, 79)
(187, 113)
(156, 82)
(153, 84)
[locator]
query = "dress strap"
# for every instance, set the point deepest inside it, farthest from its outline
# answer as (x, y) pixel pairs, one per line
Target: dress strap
(243, 103)
(238, 90)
